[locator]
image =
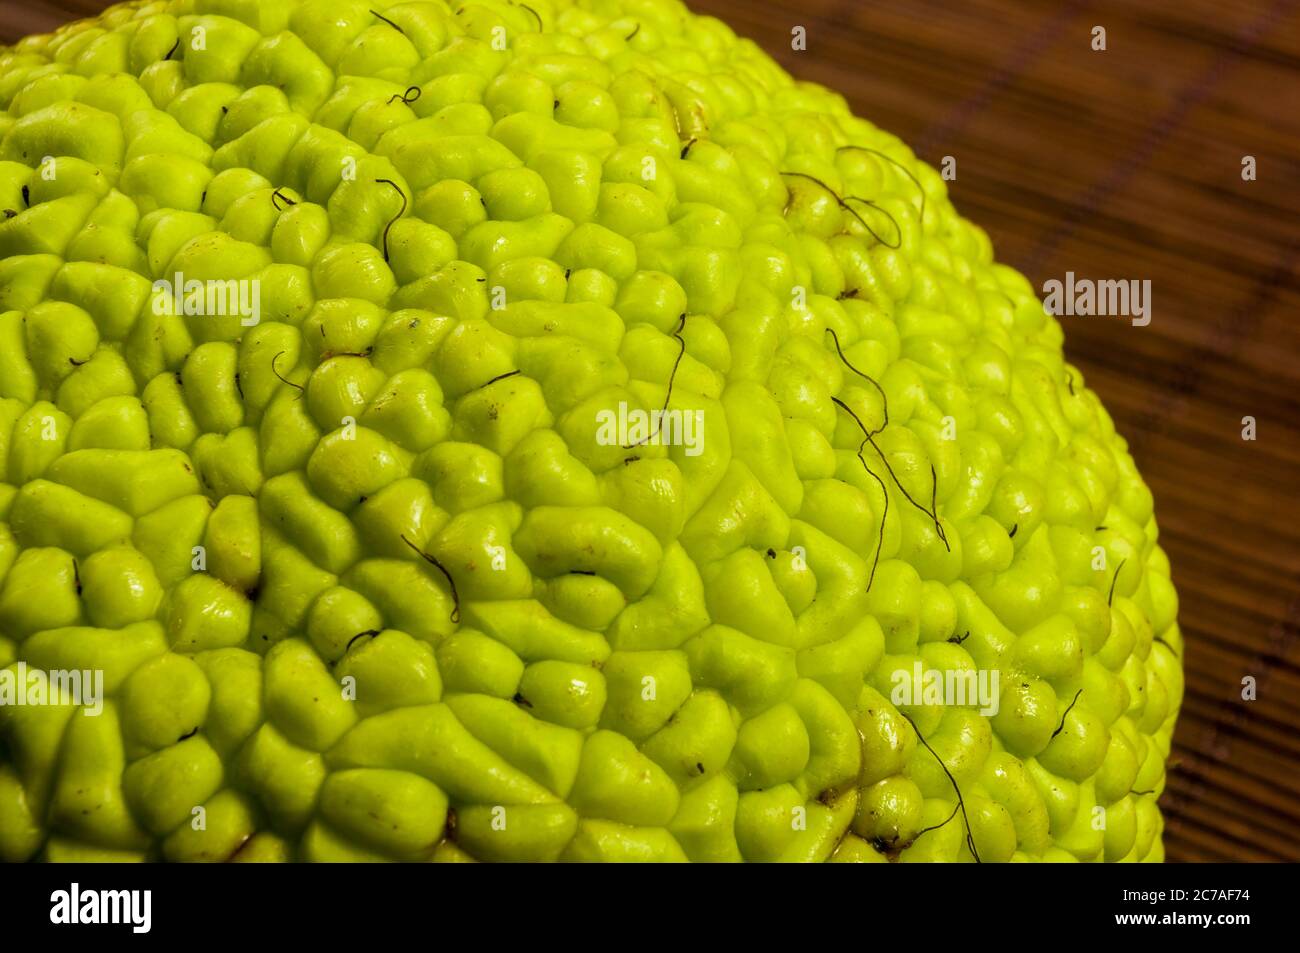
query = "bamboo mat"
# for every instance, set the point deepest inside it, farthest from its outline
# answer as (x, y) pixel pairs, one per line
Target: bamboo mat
(1126, 164)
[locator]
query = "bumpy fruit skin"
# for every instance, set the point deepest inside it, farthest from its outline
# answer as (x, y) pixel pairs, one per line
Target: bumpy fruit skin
(362, 578)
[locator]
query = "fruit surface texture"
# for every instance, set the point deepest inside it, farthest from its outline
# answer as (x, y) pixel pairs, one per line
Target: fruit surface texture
(488, 431)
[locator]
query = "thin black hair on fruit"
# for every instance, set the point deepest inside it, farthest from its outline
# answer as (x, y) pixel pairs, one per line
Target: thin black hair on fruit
(934, 516)
(455, 596)
(284, 380)
(635, 31)
(411, 95)
(687, 148)
(959, 639)
(961, 802)
(541, 27)
(360, 635)
(399, 214)
(933, 512)
(893, 221)
(1061, 726)
(835, 195)
(175, 47)
(884, 490)
(932, 827)
(279, 194)
(1160, 640)
(1111, 596)
(1011, 534)
(890, 159)
(884, 398)
(934, 495)
(499, 377)
(389, 22)
(843, 203)
(668, 396)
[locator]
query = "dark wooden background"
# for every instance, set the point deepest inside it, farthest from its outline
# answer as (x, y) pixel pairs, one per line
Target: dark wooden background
(1126, 164)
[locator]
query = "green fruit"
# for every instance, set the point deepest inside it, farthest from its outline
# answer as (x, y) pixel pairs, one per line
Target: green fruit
(538, 433)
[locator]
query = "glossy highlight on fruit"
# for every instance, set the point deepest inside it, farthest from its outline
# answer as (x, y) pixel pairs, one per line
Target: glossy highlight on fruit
(310, 316)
